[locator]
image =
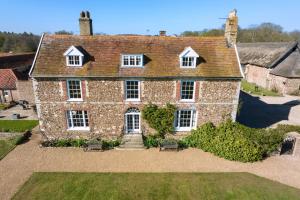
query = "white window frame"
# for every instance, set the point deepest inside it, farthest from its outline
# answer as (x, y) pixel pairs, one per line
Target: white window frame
(194, 91)
(74, 65)
(126, 123)
(139, 91)
(188, 52)
(73, 51)
(193, 120)
(186, 66)
(135, 58)
(72, 128)
(68, 90)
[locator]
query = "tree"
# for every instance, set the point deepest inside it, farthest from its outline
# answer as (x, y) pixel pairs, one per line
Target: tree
(64, 32)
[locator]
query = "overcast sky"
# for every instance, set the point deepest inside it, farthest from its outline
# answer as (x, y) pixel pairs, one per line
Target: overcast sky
(143, 16)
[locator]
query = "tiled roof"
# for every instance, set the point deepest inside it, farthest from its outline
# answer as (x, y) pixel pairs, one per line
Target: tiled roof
(263, 54)
(7, 79)
(15, 60)
(161, 56)
(289, 67)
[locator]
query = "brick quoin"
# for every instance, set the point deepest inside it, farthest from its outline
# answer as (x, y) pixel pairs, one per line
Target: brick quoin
(83, 88)
(197, 84)
(178, 90)
(65, 91)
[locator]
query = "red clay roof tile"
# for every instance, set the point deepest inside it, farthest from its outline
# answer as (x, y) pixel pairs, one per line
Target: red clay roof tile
(161, 56)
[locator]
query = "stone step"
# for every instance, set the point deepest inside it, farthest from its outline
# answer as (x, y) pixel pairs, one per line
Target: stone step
(132, 141)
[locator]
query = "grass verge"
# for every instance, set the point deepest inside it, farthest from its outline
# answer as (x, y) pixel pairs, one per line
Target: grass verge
(257, 90)
(17, 125)
(7, 145)
(153, 186)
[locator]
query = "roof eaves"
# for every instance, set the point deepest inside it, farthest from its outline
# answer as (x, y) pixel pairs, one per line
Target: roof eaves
(284, 55)
(36, 54)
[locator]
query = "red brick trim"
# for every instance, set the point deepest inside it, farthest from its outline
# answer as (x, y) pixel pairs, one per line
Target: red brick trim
(65, 89)
(197, 86)
(178, 85)
(83, 88)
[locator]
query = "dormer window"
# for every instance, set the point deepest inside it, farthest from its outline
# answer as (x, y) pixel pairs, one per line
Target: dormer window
(74, 58)
(132, 60)
(188, 58)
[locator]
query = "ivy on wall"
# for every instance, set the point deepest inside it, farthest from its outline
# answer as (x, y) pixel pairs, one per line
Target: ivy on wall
(160, 119)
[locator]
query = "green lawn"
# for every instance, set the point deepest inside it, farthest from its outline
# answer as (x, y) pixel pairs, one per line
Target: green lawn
(6, 145)
(153, 186)
(250, 88)
(17, 125)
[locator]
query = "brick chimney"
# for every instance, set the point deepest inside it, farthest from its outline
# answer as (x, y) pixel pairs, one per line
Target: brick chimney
(85, 23)
(162, 33)
(231, 28)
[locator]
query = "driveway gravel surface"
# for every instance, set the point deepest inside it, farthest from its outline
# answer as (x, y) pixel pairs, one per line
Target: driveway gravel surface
(27, 158)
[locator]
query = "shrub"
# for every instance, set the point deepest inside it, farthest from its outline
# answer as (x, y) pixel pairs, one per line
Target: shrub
(234, 141)
(151, 141)
(106, 144)
(110, 144)
(160, 119)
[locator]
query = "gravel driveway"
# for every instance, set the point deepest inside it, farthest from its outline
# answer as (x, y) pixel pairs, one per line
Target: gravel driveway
(27, 158)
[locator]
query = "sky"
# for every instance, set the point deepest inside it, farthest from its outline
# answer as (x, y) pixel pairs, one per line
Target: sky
(143, 16)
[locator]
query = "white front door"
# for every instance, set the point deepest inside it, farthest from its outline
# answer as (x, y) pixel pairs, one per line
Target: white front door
(132, 123)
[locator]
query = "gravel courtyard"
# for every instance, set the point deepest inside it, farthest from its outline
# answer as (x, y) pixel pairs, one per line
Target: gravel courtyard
(27, 158)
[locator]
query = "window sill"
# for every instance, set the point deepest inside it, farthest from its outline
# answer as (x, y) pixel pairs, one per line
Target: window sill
(132, 66)
(187, 100)
(75, 100)
(132, 100)
(79, 129)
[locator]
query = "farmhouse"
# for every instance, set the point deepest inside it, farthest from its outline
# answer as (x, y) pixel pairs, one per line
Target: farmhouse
(97, 85)
(15, 83)
(275, 66)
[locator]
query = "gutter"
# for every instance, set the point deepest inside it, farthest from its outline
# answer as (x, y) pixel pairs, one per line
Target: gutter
(36, 54)
(238, 58)
(141, 77)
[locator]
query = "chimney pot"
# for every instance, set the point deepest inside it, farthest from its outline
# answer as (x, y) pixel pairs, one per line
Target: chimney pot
(85, 23)
(162, 33)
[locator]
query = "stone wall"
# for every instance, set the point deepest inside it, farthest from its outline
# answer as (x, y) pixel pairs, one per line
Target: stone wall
(262, 77)
(25, 90)
(257, 75)
(104, 101)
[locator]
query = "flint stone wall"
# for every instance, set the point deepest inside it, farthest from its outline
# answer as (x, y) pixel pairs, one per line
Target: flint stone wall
(104, 101)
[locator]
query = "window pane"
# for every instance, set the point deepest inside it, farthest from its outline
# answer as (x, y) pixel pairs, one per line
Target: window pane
(132, 89)
(185, 118)
(132, 63)
(71, 60)
(187, 89)
(77, 118)
(125, 60)
(188, 61)
(74, 89)
(129, 122)
(76, 60)
(138, 60)
(136, 122)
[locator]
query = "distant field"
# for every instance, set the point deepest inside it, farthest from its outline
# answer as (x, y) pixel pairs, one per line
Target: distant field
(153, 186)
(17, 125)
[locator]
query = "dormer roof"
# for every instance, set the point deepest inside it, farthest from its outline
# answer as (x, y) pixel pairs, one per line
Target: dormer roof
(189, 52)
(73, 51)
